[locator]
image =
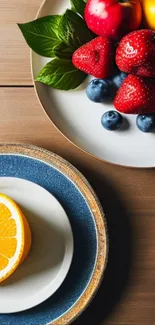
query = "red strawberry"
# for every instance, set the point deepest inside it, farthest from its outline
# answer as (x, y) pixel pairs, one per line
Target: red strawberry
(96, 57)
(136, 95)
(136, 53)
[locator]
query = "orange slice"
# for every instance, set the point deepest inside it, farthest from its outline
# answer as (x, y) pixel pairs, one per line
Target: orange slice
(15, 237)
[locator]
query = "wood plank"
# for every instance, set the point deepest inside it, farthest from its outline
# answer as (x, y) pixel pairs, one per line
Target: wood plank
(14, 52)
(127, 294)
(22, 118)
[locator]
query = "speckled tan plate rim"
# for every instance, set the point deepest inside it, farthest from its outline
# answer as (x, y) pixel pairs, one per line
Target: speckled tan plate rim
(82, 184)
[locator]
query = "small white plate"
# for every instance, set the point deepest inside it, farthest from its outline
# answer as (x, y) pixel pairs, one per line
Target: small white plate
(48, 263)
(79, 119)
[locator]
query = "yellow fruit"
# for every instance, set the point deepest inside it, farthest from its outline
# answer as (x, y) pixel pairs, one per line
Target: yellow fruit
(15, 237)
(149, 13)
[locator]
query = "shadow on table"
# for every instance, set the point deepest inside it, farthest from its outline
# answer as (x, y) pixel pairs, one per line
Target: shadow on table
(120, 248)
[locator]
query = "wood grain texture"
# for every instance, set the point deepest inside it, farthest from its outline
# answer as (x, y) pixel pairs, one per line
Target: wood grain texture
(127, 294)
(14, 52)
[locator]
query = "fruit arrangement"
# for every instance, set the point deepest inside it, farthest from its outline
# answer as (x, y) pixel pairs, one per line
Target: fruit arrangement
(111, 40)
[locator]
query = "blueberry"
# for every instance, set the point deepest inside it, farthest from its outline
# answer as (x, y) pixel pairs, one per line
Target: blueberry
(146, 122)
(111, 120)
(119, 78)
(99, 90)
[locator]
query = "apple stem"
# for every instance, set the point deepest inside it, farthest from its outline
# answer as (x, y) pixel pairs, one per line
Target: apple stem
(121, 1)
(154, 38)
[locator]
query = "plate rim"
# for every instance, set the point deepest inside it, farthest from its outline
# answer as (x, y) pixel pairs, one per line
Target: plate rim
(38, 15)
(92, 200)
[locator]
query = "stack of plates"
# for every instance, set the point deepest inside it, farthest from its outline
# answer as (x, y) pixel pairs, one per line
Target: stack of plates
(69, 250)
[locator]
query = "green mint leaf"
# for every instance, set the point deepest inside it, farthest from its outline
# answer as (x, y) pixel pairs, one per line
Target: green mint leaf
(61, 74)
(62, 51)
(85, 1)
(78, 6)
(42, 34)
(73, 30)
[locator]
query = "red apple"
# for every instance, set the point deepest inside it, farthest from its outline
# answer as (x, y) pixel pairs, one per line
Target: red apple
(113, 18)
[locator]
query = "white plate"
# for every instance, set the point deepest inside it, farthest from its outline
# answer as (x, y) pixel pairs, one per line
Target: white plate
(47, 265)
(79, 119)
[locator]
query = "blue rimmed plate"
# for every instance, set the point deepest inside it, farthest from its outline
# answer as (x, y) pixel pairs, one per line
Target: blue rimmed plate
(88, 225)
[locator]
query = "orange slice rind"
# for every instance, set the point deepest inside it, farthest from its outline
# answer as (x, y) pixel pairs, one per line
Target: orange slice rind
(15, 237)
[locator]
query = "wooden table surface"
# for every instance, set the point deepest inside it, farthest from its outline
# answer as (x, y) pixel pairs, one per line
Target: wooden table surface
(127, 295)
